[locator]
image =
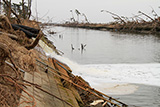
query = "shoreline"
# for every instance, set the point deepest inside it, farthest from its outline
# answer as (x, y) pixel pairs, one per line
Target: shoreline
(45, 80)
(119, 28)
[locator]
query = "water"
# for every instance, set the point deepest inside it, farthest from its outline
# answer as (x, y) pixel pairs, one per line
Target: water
(104, 47)
(123, 65)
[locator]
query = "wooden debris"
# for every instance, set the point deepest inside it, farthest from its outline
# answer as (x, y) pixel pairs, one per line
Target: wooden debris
(35, 42)
(86, 91)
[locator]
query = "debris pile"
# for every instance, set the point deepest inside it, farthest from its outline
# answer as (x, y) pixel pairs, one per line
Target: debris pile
(13, 57)
(87, 94)
(135, 24)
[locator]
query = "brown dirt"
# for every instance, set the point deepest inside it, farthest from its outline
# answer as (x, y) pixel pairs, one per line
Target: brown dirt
(11, 83)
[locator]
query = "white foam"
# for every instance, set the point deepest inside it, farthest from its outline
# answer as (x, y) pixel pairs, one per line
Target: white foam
(148, 74)
(116, 88)
(115, 79)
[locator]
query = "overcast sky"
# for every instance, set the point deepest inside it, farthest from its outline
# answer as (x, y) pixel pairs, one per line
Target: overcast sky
(59, 10)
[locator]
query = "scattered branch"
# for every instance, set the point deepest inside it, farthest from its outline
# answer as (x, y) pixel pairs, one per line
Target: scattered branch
(118, 17)
(145, 15)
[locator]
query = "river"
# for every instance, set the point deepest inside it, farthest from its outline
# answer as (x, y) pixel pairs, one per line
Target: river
(122, 65)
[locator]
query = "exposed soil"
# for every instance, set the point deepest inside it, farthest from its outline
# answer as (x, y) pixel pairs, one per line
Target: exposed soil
(14, 52)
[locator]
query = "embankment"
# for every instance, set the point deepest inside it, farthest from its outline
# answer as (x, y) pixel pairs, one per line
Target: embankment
(30, 78)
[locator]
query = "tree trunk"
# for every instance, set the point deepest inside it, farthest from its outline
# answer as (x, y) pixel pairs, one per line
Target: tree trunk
(29, 8)
(23, 10)
(9, 10)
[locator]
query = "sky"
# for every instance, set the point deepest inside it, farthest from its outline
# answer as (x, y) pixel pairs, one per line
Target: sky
(58, 11)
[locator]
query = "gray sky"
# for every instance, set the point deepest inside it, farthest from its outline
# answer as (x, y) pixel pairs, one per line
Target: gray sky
(59, 10)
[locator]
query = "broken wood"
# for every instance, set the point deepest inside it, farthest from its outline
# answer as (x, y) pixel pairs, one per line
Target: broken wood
(146, 15)
(35, 42)
(84, 87)
(114, 15)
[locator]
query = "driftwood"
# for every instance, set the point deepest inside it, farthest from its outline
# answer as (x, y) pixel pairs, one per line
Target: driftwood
(35, 42)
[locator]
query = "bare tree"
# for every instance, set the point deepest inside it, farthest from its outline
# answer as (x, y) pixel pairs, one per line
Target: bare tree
(86, 19)
(8, 9)
(146, 15)
(154, 13)
(20, 10)
(23, 10)
(72, 18)
(117, 17)
(138, 18)
(7, 5)
(78, 13)
(29, 8)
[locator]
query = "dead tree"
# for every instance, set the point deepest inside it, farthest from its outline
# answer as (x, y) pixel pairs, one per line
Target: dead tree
(138, 18)
(72, 18)
(29, 8)
(12, 11)
(7, 8)
(78, 13)
(86, 19)
(146, 15)
(23, 9)
(154, 13)
(117, 16)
